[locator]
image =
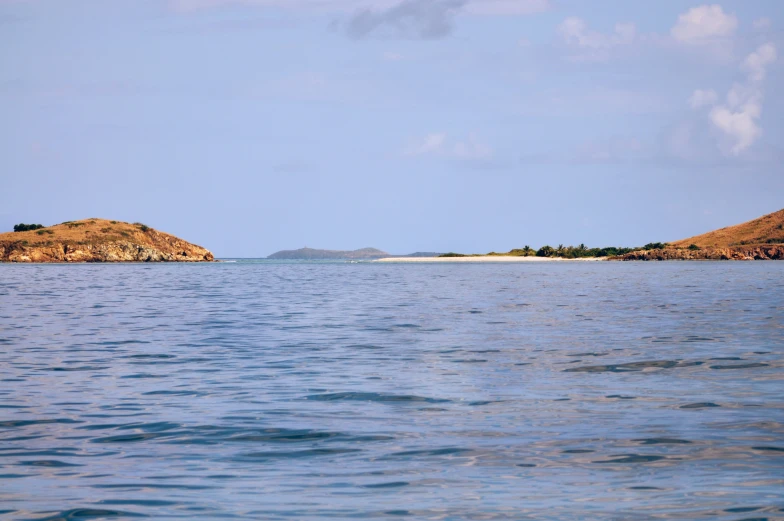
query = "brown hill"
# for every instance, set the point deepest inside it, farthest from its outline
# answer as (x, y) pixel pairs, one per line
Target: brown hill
(98, 240)
(768, 229)
(760, 239)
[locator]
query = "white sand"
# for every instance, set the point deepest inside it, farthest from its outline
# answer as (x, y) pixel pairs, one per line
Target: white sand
(486, 258)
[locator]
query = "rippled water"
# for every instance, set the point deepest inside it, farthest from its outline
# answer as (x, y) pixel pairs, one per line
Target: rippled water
(380, 391)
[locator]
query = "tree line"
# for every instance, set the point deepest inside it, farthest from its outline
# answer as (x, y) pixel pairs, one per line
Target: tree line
(21, 227)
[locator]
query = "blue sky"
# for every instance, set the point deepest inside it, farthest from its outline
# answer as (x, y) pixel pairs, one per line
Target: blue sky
(250, 126)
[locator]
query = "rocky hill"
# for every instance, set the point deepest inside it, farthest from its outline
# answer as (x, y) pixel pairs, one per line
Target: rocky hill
(313, 254)
(768, 229)
(759, 239)
(98, 240)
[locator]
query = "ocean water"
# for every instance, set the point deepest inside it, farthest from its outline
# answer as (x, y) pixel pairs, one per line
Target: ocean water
(259, 390)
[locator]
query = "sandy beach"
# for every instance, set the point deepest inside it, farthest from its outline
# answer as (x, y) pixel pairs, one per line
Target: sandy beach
(487, 258)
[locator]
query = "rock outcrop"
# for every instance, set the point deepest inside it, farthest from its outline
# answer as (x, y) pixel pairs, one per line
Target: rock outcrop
(772, 252)
(98, 240)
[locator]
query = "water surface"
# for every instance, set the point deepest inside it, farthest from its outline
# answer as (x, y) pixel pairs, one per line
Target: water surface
(258, 390)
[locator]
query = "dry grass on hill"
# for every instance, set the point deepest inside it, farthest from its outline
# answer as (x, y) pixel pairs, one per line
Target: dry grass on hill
(768, 229)
(86, 231)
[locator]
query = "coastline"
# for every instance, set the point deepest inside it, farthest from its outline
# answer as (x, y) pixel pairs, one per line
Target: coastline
(488, 258)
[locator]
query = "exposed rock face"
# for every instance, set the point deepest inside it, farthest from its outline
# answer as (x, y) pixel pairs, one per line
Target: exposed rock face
(98, 240)
(765, 252)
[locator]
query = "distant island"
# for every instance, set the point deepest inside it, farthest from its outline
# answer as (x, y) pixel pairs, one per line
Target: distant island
(361, 254)
(96, 240)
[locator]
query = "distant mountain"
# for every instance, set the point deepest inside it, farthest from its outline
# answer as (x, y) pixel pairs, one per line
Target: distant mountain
(420, 254)
(314, 254)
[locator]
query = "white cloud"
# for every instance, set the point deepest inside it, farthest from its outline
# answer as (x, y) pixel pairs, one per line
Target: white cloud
(740, 126)
(575, 32)
(703, 98)
(439, 144)
(737, 118)
(704, 24)
(757, 61)
(432, 143)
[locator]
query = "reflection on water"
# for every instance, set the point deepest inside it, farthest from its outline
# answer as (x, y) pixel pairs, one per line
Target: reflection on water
(382, 391)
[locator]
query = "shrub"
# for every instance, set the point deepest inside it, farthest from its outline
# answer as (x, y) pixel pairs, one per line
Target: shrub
(694, 247)
(655, 246)
(452, 254)
(545, 251)
(21, 227)
(114, 222)
(142, 227)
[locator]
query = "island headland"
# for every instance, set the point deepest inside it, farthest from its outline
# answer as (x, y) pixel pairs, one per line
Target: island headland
(97, 240)
(759, 239)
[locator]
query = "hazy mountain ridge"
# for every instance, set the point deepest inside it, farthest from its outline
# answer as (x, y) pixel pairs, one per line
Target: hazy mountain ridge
(317, 254)
(361, 254)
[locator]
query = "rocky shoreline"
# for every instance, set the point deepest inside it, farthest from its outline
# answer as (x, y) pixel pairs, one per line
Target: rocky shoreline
(764, 252)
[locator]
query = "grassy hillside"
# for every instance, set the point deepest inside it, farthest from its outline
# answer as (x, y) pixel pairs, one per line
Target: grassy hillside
(768, 229)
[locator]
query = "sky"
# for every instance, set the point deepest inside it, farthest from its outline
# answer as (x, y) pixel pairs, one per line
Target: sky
(251, 126)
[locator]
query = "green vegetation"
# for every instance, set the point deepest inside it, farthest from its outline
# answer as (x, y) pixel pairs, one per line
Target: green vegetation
(21, 227)
(581, 251)
(142, 227)
(41, 232)
(655, 246)
(546, 251)
(694, 247)
(561, 251)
